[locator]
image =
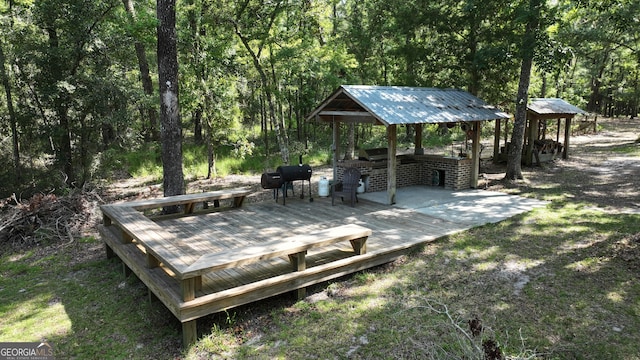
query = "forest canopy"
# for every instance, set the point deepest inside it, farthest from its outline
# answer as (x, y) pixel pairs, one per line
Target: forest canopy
(80, 79)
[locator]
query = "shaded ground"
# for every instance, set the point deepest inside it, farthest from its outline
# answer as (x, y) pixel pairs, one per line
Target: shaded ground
(600, 170)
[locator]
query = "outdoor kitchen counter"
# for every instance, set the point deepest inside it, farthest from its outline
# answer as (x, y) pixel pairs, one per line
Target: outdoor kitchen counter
(430, 170)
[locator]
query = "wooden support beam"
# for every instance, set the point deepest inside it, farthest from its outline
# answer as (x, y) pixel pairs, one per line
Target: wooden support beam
(418, 150)
(299, 263)
(345, 113)
(188, 208)
(126, 271)
(110, 253)
(392, 140)
(533, 135)
(125, 237)
(475, 150)
(335, 149)
(567, 134)
(496, 141)
(152, 261)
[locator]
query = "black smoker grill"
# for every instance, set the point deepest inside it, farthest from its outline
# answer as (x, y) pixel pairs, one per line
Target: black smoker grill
(284, 177)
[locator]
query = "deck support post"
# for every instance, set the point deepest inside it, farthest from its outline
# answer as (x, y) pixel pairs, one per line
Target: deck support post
(298, 261)
(126, 238)
(496, 141)
(189, 332)
(110, 253)
(125, 270)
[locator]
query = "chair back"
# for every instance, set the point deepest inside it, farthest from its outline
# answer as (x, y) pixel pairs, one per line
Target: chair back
(350, 179)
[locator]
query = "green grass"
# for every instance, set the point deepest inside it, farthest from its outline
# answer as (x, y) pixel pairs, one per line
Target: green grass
(559, 282)
(86, 310)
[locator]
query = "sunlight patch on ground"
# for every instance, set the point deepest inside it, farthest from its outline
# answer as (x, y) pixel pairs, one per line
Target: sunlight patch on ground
(615, 296)
(34, 320)
(588, 265)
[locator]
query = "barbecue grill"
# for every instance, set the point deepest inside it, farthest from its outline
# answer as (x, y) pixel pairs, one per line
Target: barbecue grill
(284, 178)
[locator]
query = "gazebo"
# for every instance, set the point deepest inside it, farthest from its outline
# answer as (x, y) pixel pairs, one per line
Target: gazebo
(536, 145)
(391, 106)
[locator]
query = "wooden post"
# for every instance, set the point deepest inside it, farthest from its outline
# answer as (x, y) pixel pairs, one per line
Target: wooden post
(126, 270)
(392, 131)
(188, 289)
(152, 261)
(475, 150)
(567, 134)
(189, 333)
(336, 149)
(418, 150)
(533, 135)
(110, 253)
(299, 263)
(496, 141)
(359, 245)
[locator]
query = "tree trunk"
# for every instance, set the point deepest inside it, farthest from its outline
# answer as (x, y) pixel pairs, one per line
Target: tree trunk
(145, 77)
(12, 117)
(594, 104)
(514, 158)
(171, 129)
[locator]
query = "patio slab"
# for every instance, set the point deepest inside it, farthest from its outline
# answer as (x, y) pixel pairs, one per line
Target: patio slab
(472, 207)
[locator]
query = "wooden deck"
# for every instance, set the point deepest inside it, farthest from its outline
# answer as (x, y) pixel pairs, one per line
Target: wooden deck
(188, 236)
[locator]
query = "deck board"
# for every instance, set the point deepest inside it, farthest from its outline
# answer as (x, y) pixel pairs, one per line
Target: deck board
(392, 228)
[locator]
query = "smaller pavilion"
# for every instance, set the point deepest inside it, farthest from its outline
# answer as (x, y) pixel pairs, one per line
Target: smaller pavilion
(537, 146)
(391, 106)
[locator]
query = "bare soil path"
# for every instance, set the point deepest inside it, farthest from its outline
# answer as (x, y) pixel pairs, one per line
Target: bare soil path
(602, 169)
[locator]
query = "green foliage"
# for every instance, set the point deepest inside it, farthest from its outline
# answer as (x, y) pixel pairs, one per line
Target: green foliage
(75, 80)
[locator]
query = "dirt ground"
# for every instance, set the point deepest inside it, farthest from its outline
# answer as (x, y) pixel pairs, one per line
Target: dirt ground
(599, 169)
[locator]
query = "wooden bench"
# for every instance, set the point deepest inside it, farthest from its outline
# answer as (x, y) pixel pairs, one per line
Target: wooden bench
(189, 200)
(295, 247)
(156, 241)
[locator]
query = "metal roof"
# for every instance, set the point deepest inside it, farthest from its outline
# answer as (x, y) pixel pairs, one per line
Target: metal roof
(396, 105)
(552, 106)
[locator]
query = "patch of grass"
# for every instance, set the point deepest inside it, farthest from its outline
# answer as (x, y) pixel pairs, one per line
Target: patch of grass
(632, 149)
(85, 310)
